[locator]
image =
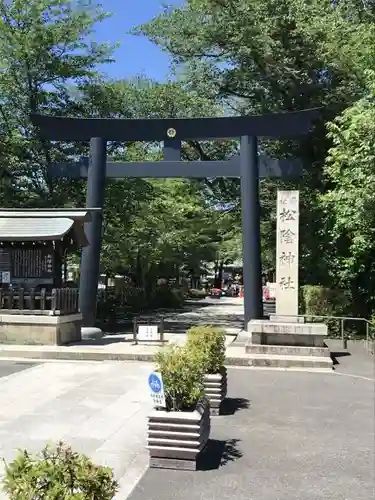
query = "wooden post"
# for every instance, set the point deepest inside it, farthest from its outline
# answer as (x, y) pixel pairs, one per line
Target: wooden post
(32, 299)
(54, 300)
(162, 329)
(135, 341)
(21, 302)
(11, 299)
(43, 299)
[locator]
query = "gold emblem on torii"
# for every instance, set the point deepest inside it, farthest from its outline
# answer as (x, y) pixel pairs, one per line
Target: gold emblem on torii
(171, 133)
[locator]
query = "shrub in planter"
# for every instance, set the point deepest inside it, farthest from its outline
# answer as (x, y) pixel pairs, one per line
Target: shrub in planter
(207, 343)
(179, 433)
(57, 474)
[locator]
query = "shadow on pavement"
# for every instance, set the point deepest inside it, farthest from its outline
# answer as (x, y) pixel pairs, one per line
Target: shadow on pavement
(219, 453)
(334, 355)
(9, 367)
(103, 341)
(231, 405)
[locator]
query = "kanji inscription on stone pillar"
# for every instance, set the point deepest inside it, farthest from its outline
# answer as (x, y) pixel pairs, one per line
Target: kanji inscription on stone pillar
(287, 242)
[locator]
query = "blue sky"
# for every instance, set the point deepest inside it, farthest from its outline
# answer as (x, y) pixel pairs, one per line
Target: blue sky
(136, 55)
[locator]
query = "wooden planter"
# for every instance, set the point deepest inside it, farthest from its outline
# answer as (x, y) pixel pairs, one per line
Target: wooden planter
(215, 388)
(176, 439)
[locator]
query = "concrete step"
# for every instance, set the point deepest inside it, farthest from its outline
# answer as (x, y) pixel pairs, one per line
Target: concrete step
(283, 361)
(235, 356)
(287, 350)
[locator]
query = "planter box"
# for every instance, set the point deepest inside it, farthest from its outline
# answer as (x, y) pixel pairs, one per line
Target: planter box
(215, 388)
(176, 439)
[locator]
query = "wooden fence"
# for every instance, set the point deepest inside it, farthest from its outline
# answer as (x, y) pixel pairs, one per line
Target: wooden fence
(57, 302)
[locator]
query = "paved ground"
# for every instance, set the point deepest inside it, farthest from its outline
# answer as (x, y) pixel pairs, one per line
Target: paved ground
(226, 312)
(353, 360)
(98, 408)
(304, 436)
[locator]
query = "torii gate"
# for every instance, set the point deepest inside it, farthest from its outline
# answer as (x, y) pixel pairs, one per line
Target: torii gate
(248, 165)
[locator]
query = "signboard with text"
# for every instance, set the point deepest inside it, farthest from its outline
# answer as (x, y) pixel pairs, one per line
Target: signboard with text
(5, 277)
(287, 253)
(156, 388)
(148, 333)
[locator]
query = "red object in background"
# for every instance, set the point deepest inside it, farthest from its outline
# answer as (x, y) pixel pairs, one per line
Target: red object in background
(216, 292)
(241, 294)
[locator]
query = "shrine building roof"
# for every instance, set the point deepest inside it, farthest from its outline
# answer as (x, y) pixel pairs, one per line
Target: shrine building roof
(41, 224)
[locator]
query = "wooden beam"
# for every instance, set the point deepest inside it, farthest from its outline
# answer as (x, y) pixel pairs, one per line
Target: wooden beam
(61, 128)
(268, 168)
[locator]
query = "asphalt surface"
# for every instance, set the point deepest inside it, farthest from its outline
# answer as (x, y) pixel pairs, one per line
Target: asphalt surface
(295, 436)
(10, 367)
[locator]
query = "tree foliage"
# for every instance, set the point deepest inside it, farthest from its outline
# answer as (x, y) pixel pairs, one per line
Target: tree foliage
(284, 55)
(350, 202)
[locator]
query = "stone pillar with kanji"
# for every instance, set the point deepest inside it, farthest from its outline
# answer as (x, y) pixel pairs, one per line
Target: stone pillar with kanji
(287, 244)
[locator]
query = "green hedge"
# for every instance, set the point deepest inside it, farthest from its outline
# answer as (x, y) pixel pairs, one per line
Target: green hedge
(194, 293)
(165, 297)
(208, 344)
(57, 474)
(182, 375)
(321, 301)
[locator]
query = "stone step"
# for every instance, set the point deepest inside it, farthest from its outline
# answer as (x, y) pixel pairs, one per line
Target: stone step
(283, 361)
(287, 350)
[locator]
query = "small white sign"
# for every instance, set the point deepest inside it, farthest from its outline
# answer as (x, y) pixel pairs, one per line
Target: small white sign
(147, 332)
(5, 277)
(156, 388)
(271, 289)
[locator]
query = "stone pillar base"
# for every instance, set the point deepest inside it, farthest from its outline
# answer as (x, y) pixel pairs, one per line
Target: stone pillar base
(263, 332)
(286, 319)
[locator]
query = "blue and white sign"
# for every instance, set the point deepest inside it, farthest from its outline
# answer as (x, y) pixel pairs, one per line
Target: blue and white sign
(156, 388)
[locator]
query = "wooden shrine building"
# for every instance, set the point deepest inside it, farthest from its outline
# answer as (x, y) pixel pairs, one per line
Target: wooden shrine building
(36, 305)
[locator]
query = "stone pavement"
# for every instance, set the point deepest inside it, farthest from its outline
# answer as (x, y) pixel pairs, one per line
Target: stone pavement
(98, 408)
(295, 436)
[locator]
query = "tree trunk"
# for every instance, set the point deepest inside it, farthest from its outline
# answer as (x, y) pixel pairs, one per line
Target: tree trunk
(219, 274)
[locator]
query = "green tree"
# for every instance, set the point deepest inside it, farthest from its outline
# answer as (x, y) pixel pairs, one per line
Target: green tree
(350, 202)
(155, 227)
(44, 49)
(277, 55)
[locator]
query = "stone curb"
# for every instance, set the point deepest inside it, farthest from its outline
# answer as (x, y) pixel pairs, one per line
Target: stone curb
(55, 355)
(76, 355)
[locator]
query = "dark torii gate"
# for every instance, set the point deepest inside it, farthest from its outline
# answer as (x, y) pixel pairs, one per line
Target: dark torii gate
(248, 165)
